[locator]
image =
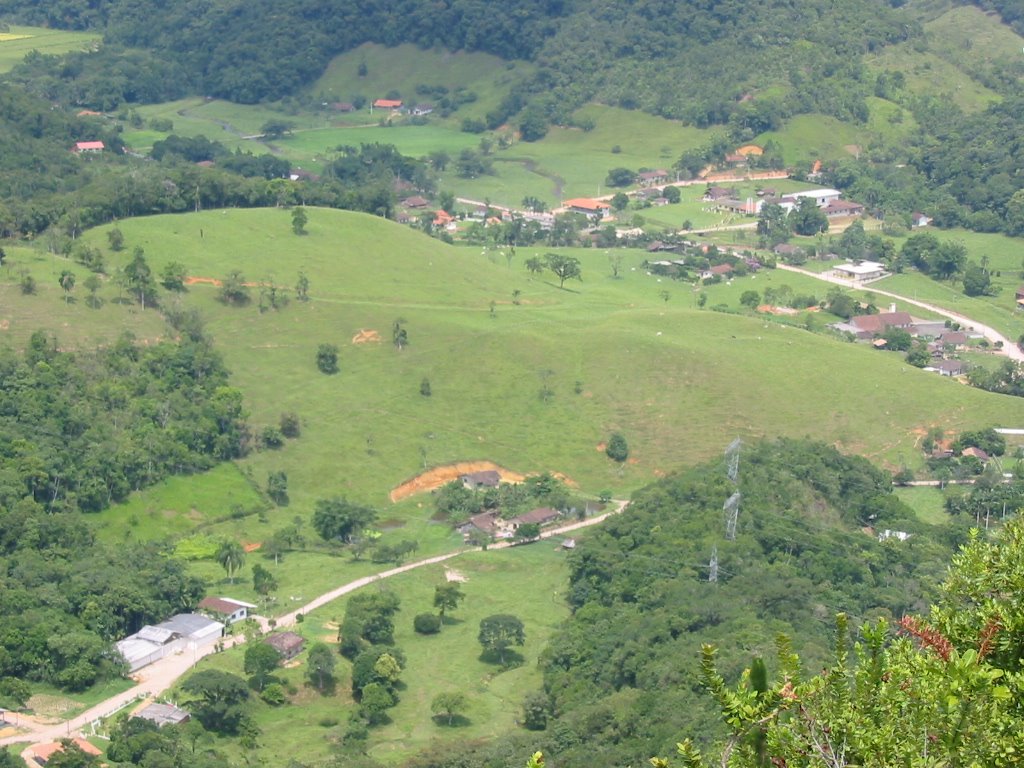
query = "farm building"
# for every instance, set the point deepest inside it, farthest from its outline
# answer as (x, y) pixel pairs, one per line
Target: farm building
(225, 609)
(163, 714)
(387, 104)
(951, 368)
(587, 206)
(861, 271)
(288, 644)
(88, 146)
(650, 178)
(539, 516)
(180, 633)
(474, 481)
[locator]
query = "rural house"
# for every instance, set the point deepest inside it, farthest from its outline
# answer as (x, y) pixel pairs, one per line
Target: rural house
(951, 368)
(487, 523)
(650, 178)
(539, 516)
(88, 147)
(918, 220)
(41, 754)
(861, 271)
(225, 609)
(586, 206)
(713, 194)
(838, 208)
(474, 481)
(421, 110)
(163, 714)
(392, 104)
(288, 644)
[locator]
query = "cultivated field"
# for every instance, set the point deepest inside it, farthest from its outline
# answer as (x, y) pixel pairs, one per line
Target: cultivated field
(19, 41)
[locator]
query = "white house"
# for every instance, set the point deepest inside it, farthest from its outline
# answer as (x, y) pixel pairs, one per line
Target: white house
(861, 271)
(226, 609)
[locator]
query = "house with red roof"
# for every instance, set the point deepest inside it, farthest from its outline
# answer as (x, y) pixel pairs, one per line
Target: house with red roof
(587, 206)
(387, 104)
(88, 146)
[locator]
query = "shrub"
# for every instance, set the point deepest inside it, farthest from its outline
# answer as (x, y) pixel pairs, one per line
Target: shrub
(290, 424)
(427, 623)
(327, 358)
(617, 448)
(274, 695)
(271, 437)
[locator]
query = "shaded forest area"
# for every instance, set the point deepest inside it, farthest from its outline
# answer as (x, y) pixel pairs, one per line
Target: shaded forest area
(623, 682)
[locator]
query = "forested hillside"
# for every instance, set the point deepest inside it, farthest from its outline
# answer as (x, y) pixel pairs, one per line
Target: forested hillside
(623, 680)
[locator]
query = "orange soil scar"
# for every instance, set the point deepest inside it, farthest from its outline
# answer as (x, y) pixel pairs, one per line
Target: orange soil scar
(601, 447)
(365, 336)
(193, 280)
(438, 476)
(252, 546)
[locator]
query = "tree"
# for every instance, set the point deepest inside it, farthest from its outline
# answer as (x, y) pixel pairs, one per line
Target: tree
(219, 699)
(853, 242)
(67, 283)
(116, 239)
(620, 177)
(277, 486)
(948, 260)
(299, 220)
(233, 289)
(14, 693)
(500, 632)
(534, 265)
(427, 623)
(447, 596)
(275, 128)
(527, 531)
(772, 224)
(71, 755)
(302, 287)
(977, 280)
(173, 275)
(750, 299)
(320, 666)
(449, 705)
(338, 519)
(620, 201)
(374, 702)
(536, 709)
(231, 557)
(807, 218)
(138, 278)
(290, 424)
(263, 581)
(327, 358)
(564, 267)
(672, 194)
(27, 284)
(399, 336)
(261, 660)
(617, 448)
(425, 387)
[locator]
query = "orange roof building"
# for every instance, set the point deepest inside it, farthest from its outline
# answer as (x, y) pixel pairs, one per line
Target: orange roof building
(88, 146)
(41, 753)
(388, 103)
(586, 205)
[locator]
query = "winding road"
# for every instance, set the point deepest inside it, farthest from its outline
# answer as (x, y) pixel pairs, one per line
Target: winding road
(1009, 348)
(162, 674)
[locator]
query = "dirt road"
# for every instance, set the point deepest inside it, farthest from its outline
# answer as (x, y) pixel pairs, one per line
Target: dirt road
(1009, 349)
(162, 674)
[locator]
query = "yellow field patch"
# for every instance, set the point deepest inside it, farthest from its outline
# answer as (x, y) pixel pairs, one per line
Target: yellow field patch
(8, 36)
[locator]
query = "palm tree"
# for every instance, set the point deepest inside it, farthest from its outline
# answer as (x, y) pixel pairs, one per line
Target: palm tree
(231, 556)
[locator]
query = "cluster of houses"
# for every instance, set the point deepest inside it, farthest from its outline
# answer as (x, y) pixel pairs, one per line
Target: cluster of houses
(942, 342)
(490, 523)
(828, 200)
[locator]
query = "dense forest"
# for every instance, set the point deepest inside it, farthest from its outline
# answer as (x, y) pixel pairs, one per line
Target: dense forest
(622, 681)
(78, 431)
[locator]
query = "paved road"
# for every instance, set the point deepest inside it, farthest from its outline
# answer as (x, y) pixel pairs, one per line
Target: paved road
(161, 675)
(1009, 349)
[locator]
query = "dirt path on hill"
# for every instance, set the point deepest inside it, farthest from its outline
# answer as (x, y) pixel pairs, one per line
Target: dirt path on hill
(1010, 348)
(438, 476)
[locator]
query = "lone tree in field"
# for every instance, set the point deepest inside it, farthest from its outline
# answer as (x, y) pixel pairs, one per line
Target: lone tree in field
(449, 705)
(327, 358)
(399, 337)
(534, 265)
(260, 662)
(500, 632)
(302, 287)
(233, 289)
(231, 557)
(617, 448)
(447, 596)
(338, 519)
(299, 220)
(320, 666)
(138, 278)
(67, 282)
(116, 239)
(564, 267)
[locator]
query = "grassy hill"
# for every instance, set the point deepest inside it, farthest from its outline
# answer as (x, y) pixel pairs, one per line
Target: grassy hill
(678, 382)
(18, 41)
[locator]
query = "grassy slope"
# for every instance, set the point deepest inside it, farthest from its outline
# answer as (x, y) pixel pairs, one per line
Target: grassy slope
(445, 662)
(18, 41)
(677, 396)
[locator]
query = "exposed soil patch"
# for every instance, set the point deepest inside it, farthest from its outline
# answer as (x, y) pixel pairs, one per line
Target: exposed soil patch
(450, 574)
(4, 325)
(252, 546)
(47, 705)
(601, 447)
(365, 337)
(438, 476)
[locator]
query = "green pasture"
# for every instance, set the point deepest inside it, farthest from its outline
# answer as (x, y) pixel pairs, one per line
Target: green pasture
(927, 503)
(449, 661)
(676, 396)
(19, 41)
(806, 138)
(403, 67)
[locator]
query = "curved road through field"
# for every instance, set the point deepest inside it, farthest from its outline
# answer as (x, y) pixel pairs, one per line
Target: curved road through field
(161, 675)
(1009, 348)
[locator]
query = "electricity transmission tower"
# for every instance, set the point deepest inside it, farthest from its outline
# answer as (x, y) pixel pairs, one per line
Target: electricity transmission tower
(731, 508)
(732, 459)
(713, 567)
